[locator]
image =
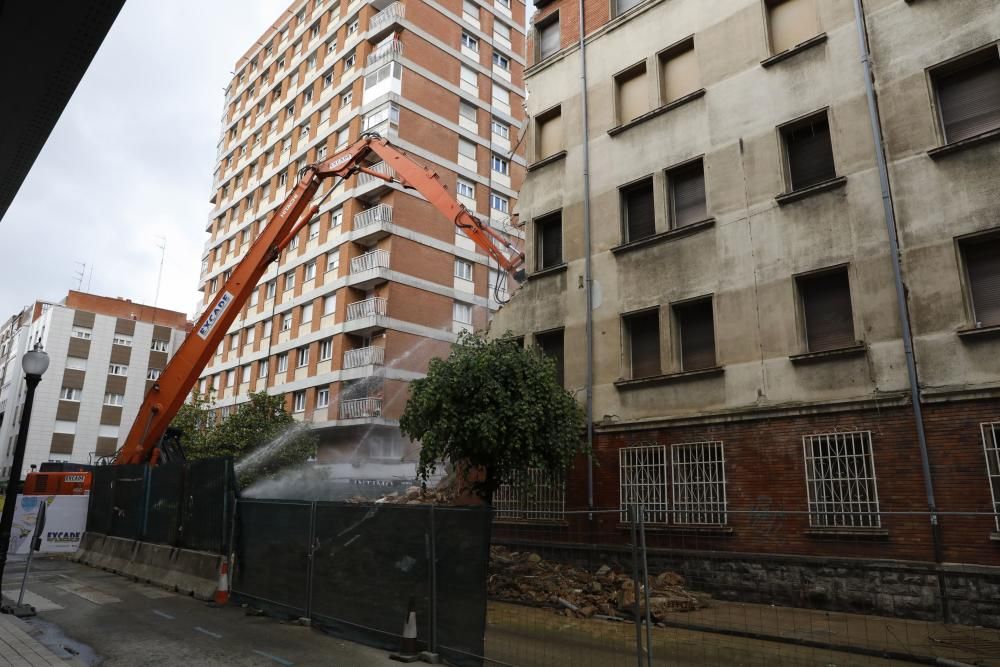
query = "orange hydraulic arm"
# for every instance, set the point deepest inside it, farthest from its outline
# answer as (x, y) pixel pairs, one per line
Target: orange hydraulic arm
(181, 373)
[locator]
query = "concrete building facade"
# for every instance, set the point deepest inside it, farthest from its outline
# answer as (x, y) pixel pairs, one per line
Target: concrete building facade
(13, 345)
(748, 350)
(380, 282)
(104, 355)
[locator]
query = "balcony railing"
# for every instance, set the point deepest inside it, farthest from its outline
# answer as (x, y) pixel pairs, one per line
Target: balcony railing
(371, 307)
(376, 259)
(383, 54)
(358, 408)
(393, 12)
(380, 168)
(364, 356)
(380, 213)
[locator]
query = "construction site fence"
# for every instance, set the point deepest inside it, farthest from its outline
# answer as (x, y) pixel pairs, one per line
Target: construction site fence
(356, 570)
(187, 505)
(762, 586)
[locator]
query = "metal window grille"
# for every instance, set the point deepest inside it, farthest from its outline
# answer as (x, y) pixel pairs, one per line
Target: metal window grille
(991, 447)
(698, 478)
(643, 481)
(840, 480)
(533, 495)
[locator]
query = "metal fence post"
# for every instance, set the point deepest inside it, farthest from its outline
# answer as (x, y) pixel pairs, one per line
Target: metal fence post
(147, 483)
(645, 586)
(312, 552)
(635, 583)
(433, 569)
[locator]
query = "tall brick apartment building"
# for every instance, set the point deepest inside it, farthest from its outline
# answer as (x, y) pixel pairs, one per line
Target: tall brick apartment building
(104, 355)
(380, 282)
(747, 364)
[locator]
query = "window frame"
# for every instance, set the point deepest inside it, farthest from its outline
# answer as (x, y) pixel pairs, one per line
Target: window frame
(648, 462)
(624, 191)
(540, 221)
(801, 323)
(786, 164)
(540, 26)
(627, 351)
(816, 484)
(684, 485)
(962, 244)
(670, 174)
(952, 66)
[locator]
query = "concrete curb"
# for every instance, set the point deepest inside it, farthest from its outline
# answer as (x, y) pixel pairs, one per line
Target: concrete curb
(193, 572)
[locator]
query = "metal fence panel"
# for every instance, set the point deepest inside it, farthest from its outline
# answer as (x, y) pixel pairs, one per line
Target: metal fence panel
(272, 555)
(166, 486)
(102, 500)
(206, 511)
(129, 511)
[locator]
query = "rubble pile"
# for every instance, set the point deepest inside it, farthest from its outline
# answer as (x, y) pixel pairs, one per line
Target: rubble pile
(415, 495)
(526, 578)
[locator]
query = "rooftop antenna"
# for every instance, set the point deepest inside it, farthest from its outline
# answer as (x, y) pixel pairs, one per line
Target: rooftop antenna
(163, 253)
(80, 274)
(90, 280)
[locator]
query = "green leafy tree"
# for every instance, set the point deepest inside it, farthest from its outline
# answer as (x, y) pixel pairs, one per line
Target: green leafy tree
(261, 436)
(495, 407)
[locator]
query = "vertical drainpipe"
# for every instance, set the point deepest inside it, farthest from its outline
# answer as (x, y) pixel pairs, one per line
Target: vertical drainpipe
(897, 271)
(588, 277)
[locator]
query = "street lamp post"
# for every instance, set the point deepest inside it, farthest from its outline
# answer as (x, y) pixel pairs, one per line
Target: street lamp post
(34, 363)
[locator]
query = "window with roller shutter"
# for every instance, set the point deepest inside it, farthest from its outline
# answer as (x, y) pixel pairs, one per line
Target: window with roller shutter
(548, 241)
(551, 345)
(826, 310)
(809, 152)
(637, 211)
(686, 188)
(549, 37)
(696, 334)
(549, 138)
(679, 73)
(631, 94)
(622, 6)
(968, 94)
(790, 22)
(982, 266)
(641, 337)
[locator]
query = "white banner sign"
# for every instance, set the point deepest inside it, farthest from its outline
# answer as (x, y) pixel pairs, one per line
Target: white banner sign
(65, 521)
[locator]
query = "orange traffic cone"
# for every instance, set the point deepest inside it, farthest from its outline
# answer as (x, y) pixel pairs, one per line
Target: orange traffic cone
(408, 647)
(222, 591)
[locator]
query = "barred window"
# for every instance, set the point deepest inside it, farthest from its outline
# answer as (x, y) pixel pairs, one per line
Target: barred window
(698, 476)
(840, 480)
(991, 447)
(533, 495)
(643, 481)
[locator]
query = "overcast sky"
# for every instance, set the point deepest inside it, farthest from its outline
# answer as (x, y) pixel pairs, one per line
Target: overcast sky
(131, 158)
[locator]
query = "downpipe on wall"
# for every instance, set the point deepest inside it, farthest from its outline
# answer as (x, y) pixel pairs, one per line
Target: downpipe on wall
(588, 277)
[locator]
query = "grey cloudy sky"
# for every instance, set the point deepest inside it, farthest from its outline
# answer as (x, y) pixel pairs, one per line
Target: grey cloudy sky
(131, 158)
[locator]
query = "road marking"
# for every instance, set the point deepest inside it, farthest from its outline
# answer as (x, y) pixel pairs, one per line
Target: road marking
(151, 592)
(89, 594)
(164, 615)
(207, 632)
(37, 601)
(280, 661)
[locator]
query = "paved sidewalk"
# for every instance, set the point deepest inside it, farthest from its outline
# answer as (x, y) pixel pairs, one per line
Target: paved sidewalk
(19, 649)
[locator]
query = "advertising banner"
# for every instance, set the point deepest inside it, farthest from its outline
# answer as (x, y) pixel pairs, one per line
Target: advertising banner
(65, 521)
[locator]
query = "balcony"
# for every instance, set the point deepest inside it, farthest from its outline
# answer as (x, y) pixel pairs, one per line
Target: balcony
(372, 225)
(361, 408)
(365, 317)
(383, 54)
(377, 184)
(369, 269)
(364, 356)
(385, 20)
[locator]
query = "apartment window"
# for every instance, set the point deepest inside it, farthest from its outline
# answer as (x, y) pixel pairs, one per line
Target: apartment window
(463, 269)
(282, 362)
(500, 129)
(698, 483)
(326, 349)
(244, 374)
(465, 188)
(470, 12)
(307, 313)
(642, 482)
(262, 368)
(548, 36)
(346, 98)
(500, 165)
(353, 26)
(158, 345)
(548, 241)
(532, 495)
(282, 179)
(153, 374)
(686, 194)
(549, 133)
(322, 397)
(245, 236)
(470, 42)
(117, 369)
(467, 149)
(299, 401)
(332, 261)
(304, 130)
(809, 152)
(551, 345)
(501, 61)
(349, 60)
(695, 334)
(501, 97)
(499, 203)
(336, 218)
(642, 343)
(289, 280)
(469, 77)
(314, 30)
(293, 244)
(631, 93)
(272, 289)
(268, 326)
(230, 378)
(329, 304)
(72, 363)
(321, 153)
(251, 333)
(840, 480)
(388, 113)
(982, 267)
(968, 95)
(122, 339)
(116, 400)
(342, 138)
(679, 74)
(302, 356)
(991, 447)
(331, 46)
(467, 111)
(286, 321)
(462, 312)
(82, 332)
(826, 310)
(790, 22)
(69, 394)
(310, 270)
(637, 210)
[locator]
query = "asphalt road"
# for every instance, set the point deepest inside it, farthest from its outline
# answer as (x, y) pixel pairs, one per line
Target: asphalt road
(105, 619)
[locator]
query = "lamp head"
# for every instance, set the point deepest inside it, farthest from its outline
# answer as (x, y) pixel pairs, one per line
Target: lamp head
(35, 361)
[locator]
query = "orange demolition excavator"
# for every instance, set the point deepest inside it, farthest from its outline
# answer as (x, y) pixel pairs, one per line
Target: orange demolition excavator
(146, 442)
